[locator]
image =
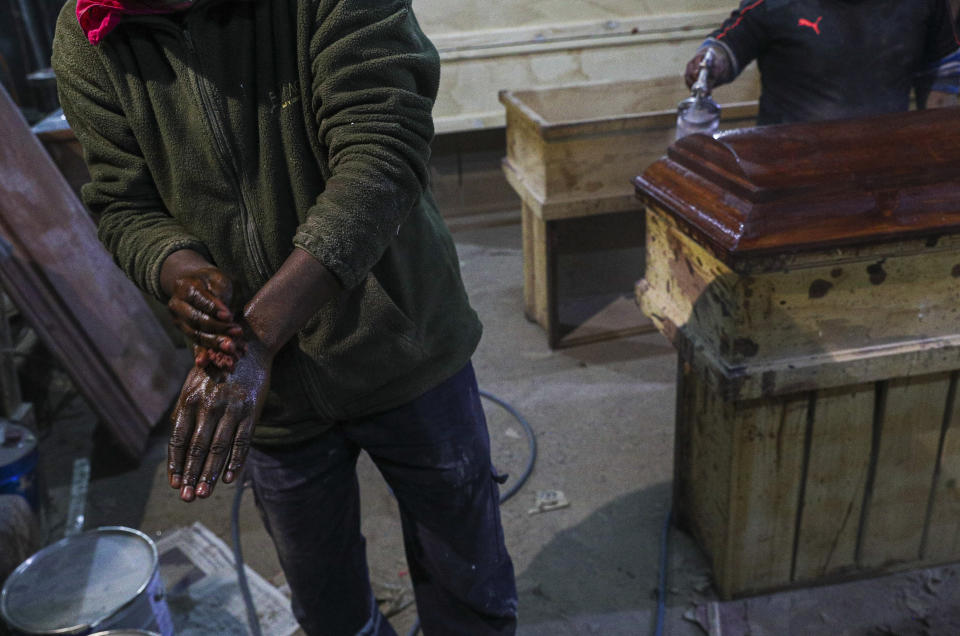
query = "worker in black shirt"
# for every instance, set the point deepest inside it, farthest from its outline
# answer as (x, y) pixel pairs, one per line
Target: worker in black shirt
(832, 59)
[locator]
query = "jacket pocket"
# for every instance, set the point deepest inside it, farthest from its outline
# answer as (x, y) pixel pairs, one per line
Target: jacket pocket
(362, 344)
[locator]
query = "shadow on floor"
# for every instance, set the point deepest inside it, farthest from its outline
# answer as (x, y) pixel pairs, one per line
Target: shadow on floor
(612, 559)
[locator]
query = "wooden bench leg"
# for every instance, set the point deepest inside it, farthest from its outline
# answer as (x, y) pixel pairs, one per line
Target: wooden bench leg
(529, 270)
(551, 300)
(540, 274)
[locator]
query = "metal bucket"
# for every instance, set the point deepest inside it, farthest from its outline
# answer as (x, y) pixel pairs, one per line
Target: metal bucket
(100, 580)
(18, 463)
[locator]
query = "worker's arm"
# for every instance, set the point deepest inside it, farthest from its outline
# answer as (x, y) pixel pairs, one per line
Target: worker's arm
(738, 41)
(216, 412)
(375, 79)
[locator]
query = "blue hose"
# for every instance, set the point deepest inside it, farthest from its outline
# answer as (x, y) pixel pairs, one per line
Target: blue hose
(664, 565)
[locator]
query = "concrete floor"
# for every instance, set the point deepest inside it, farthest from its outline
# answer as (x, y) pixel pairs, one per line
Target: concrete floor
(603, 415)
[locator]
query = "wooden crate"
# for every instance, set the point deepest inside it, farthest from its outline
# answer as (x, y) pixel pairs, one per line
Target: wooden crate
(571, 154)
(807, 276)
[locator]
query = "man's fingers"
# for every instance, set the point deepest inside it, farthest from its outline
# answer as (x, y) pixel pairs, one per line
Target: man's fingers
(201, 356)
(194, 318)
(219, 450)
(692, 70)
(183, 420)
(197, 451)
(241, 446)
(204, 300)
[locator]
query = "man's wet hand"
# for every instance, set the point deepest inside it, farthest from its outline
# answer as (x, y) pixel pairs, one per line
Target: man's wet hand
(213, 423)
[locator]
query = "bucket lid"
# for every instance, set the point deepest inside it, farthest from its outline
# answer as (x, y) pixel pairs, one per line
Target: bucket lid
(126, 632)
(16, 442)
(79, 581)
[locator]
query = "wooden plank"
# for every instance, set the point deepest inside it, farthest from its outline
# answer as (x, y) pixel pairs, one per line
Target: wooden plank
(10, 395)
(765, 493)
(837, 467)
(705, 447)
(83, 308)
(541, 273)
(810, 321)
(529, 264)
(473, 73)
(686, 413)
(942, 541)
(909, 438)
(484, 24)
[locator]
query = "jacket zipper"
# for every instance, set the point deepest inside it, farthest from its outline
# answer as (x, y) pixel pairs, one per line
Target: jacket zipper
(251, 237)
(308, 375)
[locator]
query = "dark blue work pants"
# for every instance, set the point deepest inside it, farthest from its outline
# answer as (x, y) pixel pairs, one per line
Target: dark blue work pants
(434, 453)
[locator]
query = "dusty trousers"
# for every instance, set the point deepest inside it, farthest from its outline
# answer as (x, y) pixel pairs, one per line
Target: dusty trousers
(434, 453)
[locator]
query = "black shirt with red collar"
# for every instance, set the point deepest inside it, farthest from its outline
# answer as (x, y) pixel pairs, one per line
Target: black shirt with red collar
(831, 59)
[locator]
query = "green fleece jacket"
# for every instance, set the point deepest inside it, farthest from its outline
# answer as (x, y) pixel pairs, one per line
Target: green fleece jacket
(243, 128)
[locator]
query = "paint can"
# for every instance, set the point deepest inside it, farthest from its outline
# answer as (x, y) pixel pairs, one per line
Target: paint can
(18, 463)
(104, 579)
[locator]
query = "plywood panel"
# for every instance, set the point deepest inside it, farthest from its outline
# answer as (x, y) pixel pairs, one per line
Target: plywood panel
(438, 20)
(765, 493)
(708, 451)
(912, 419)
(943, 530)
(836, 477)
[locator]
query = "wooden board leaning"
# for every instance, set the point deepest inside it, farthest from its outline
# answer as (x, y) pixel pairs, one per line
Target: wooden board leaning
(80, 304)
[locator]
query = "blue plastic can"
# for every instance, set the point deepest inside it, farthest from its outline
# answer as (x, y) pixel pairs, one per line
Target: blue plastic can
(18, 463)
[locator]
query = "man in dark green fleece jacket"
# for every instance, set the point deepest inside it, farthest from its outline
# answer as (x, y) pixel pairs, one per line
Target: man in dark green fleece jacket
(261, 165)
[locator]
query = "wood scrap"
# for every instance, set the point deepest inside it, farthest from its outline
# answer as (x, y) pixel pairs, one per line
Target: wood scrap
(86, 312)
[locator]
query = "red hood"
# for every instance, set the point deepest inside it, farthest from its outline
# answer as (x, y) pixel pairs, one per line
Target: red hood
(99, 17)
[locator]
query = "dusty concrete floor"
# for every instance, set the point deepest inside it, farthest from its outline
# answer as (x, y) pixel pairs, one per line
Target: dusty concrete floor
(603, 416)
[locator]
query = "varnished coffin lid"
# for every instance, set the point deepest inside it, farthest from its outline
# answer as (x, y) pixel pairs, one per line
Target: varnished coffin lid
(806, 186)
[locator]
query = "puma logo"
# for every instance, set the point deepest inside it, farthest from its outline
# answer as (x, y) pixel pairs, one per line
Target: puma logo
(813, 25)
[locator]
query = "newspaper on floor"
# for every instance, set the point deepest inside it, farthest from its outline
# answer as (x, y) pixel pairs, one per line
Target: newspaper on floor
(204, 597)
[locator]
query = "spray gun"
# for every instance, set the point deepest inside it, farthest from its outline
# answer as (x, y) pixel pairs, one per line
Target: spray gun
(699, 113)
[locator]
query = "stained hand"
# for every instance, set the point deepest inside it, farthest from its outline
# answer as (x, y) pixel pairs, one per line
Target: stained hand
(200, 308)
(213, 422)
(719, 68)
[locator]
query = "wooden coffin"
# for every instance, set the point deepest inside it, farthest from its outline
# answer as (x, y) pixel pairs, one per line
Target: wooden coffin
(81, 305)
(809, 276)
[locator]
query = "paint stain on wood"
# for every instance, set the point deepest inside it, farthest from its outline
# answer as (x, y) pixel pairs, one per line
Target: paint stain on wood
(877, 273)
(836, 272)
(955, 272)
(819, 288)
(745, 347)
